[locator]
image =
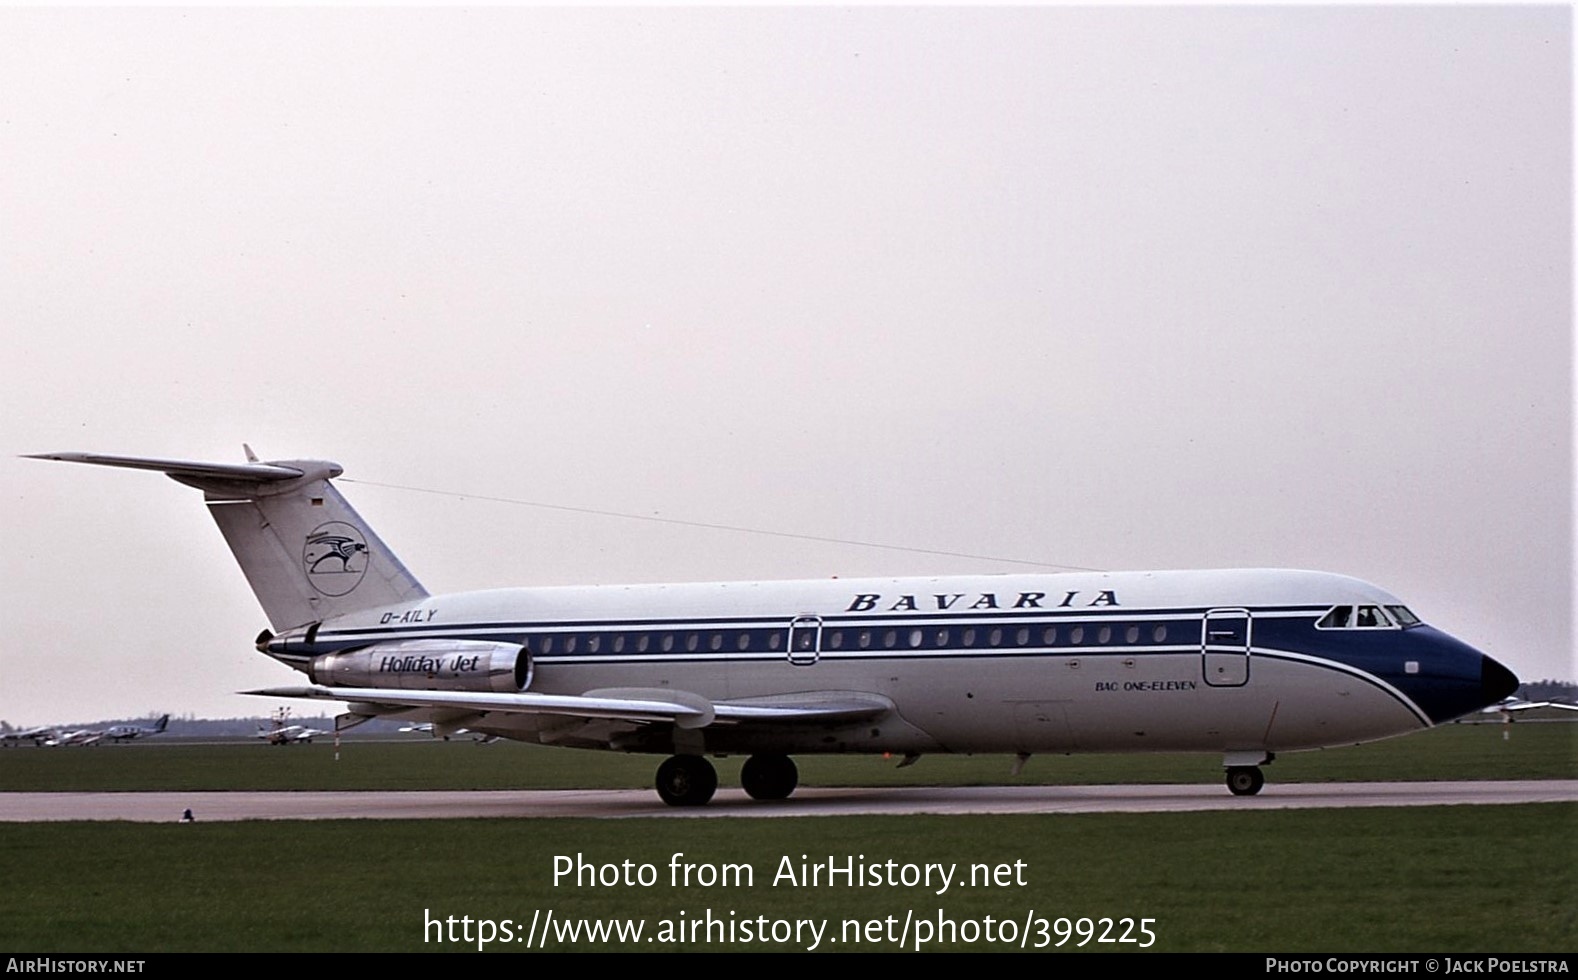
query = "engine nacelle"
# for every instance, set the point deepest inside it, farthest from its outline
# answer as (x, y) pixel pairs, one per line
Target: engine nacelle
(429, 665)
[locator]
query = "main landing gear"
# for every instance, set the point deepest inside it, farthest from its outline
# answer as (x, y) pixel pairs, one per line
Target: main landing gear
(690, 780)
(686, 780)
(769, 777)
(1245, 780)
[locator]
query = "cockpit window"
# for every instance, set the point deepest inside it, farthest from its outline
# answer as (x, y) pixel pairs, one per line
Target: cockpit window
(1337, 619)
(1371, 617)
(1365, 618)
(1404, 617)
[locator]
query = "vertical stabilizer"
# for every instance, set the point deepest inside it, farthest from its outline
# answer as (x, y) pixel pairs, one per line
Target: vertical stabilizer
(305, 551)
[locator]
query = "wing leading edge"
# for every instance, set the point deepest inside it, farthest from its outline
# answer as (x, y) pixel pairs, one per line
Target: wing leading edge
(637, 705)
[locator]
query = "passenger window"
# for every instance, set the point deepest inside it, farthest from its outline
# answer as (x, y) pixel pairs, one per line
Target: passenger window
(743, 641)
(619, 643)
(835, 639)
(995, 638)
(915, 638)
(594, 642)
(1104, 635)
(865, 639)
(774, 639)
(643, 643)
(668, 642)
(1049, 635)
(1159, 634)
(547, 644)
(692, 642)
(1023, 636)
(969, 637)
(890, 639)
(715, 642)
(1132, 634)
(569, 644)
(942, 638)
(1076, 635)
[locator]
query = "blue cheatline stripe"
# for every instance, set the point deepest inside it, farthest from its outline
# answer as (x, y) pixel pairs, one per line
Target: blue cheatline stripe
(1308, 660)
(845, 656)
(1006, 618)
(838, 619)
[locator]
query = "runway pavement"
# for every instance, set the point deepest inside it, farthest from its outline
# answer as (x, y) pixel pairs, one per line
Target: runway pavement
(207, 807)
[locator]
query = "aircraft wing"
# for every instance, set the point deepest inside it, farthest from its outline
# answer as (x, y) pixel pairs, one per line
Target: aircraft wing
(640, 705)
(815, 706)
(1514, 704)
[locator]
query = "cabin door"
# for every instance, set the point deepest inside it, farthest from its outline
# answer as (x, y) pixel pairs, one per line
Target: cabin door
(805, 640)
(1224, 647)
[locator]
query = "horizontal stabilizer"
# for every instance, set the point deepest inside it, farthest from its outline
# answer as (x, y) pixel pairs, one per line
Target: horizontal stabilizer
(305, 551)
(267, 472)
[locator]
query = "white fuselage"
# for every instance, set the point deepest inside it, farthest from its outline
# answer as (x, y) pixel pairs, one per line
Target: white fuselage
(1227, 661)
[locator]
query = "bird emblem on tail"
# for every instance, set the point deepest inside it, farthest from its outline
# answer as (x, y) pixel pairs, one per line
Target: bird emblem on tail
(335, 558)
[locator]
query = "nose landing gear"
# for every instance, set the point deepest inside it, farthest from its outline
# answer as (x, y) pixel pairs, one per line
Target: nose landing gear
(1245, 780)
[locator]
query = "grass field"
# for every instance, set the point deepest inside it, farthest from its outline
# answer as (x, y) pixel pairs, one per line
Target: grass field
(1447, 879)
(1533, 751)
(1444, 879)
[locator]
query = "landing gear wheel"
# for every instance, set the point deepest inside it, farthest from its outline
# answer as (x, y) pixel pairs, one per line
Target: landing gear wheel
(769, 777)
(1245, 780)
(686, 780)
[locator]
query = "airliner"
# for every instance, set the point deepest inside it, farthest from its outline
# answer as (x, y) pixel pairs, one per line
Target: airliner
(1248, 663)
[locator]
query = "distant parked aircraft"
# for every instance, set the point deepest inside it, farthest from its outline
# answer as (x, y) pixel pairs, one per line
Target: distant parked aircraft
(81, 736)
(126, 733)
(1510, 708)
(35, 735)
(427, 728)
(284, 734)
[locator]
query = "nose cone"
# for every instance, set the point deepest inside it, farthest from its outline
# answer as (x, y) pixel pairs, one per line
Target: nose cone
(1449, 678)
(1495, 681)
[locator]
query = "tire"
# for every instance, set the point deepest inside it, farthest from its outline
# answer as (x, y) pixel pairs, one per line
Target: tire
(1245, 780)
(769, 777)
(686, 780)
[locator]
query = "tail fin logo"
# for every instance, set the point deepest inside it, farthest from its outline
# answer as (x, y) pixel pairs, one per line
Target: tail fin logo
(335, 558)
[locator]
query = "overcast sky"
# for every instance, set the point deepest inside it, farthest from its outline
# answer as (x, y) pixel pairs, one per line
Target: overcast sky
(1148, 288)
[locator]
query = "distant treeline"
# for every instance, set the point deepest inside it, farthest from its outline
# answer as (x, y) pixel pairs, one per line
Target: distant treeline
(1548, 691)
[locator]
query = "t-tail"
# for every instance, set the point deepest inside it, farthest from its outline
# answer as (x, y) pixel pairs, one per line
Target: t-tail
(306, 552)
